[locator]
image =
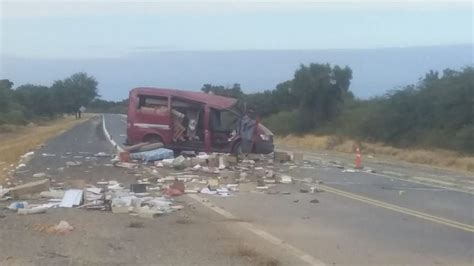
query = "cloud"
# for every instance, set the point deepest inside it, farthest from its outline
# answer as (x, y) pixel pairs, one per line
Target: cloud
(70, 8)
(156, 47)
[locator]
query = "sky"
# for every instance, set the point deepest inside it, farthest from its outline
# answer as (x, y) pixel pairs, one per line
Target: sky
(106, 28)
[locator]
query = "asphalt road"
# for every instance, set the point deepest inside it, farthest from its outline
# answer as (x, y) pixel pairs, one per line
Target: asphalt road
(361, 218)
(194, 236)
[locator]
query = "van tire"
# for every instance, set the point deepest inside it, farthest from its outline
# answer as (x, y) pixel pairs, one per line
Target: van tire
(152, 138)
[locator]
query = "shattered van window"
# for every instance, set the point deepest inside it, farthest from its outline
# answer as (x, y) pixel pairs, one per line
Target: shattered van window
(152, 101)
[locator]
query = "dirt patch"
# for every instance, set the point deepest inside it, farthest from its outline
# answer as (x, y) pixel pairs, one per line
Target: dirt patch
(255, 258)
(135, 224)
(183, 221)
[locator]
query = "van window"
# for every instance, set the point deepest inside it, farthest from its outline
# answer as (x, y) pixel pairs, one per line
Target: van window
(223, 121)
(187, 120)
(152, 101)
(153, 105)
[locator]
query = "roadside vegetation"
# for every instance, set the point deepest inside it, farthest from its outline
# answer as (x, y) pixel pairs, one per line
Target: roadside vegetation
(27, 103)
(112, 107)
(31, 114)
(433, 117)
(438, 112)
(431, 122)
(429, 156)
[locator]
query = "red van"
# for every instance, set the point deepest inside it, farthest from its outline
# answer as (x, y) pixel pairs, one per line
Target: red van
(186, 120)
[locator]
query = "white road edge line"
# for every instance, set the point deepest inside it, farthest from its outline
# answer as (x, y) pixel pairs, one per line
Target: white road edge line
(109, 137)
(262, 234)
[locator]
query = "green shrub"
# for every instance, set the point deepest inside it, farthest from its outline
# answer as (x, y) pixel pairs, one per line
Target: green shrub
(282, 123)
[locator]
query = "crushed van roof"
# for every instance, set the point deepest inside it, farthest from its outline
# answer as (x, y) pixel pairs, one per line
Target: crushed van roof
(215, 101)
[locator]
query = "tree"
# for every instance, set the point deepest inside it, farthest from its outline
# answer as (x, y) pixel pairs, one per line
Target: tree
(234, 92)
(74, 92)
(5, 84)
(36, 100)
(5, 95)
(320, 90)
(284, 97)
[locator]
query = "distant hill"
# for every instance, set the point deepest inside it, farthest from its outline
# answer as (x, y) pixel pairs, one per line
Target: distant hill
(375, 71)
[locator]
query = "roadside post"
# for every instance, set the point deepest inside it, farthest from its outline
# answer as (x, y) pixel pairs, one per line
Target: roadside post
(358, 159)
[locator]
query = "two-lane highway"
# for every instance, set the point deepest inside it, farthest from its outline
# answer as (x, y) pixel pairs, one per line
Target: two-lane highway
(361, 218)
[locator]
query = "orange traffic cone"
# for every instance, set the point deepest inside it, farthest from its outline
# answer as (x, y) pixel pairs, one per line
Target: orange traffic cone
(358, 159)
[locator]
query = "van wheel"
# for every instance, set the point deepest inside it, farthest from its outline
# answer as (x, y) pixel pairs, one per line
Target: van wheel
(152, 139)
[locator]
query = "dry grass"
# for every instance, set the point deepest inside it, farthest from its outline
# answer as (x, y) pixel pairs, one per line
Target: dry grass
(434, 157)
(21, 140)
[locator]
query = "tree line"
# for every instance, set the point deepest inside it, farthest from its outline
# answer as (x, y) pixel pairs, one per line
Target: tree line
(28, 102)
(438, 111)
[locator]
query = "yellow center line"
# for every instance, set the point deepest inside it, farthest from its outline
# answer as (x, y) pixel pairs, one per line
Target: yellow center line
(436, 219)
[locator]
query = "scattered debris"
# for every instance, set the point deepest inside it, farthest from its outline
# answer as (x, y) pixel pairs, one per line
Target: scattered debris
(316, 190)
(124, 157)
(3, 191)
(63, 228)
(127, 165)
(72, 197)
(28, 189)
(178, 162)
(153, 188)
(18, 205)
(138, 188)
(75, 163)
(34, 210)
(152, 155)
(39, 175)
(298, 157)
(102, 154)
(349, 170)
(52, 194)
(284, 179)
(281, 157)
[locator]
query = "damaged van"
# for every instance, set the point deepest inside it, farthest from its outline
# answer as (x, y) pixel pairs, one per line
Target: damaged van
(186, 120)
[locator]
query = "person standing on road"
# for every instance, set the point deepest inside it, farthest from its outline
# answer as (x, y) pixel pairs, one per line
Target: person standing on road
(79, 112)
(246, 130)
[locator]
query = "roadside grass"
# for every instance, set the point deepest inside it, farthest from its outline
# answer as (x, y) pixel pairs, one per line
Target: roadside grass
(433, 157)
(18, 140)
